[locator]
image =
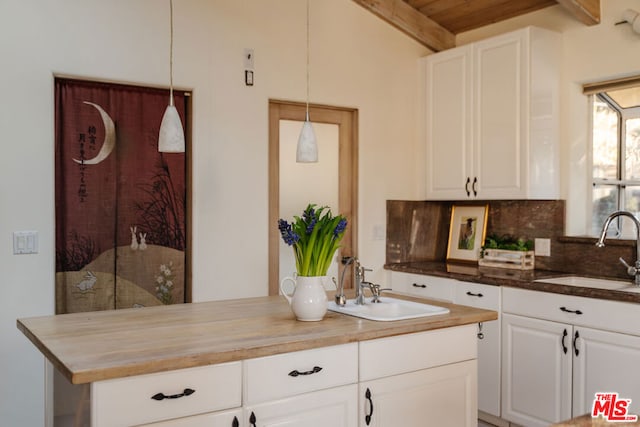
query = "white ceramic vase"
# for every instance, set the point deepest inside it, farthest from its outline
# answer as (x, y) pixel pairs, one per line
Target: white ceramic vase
(308, 300)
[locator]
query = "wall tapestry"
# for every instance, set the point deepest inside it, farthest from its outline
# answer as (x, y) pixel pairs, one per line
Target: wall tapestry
(120, 204)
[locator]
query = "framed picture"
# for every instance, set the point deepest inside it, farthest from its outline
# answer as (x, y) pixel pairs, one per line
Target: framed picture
(467, 232)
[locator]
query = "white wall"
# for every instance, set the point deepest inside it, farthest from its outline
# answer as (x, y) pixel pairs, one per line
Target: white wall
(589, 54)
(356, 61)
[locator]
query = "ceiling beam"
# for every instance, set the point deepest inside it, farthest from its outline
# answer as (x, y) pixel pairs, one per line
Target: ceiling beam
(411, 22)
(586, 11)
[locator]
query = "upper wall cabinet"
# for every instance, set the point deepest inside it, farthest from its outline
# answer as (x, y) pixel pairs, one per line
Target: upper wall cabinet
(491, 118)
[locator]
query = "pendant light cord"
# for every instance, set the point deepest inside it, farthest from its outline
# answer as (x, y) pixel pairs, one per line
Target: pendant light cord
(307, 60)
(171, 54)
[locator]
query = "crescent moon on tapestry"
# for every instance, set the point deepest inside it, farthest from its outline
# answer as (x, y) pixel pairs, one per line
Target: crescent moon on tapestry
(109, 138)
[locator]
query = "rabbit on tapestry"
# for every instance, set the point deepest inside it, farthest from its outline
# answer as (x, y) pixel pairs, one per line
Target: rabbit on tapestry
(88, 282)
(143, 241)
(134, 238)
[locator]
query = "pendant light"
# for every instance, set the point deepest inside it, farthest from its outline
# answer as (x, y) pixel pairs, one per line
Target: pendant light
(307, 150)
(171, 139)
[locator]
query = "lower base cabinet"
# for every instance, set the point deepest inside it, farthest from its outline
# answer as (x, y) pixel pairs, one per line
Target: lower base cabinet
(335, 407)
(560, 350)
(444, 396)
(419, 379)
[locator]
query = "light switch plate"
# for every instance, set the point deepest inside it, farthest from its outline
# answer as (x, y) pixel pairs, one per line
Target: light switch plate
(542, 247)
(25, 242)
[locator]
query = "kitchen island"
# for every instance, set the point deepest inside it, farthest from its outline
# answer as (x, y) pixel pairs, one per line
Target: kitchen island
(117, 351)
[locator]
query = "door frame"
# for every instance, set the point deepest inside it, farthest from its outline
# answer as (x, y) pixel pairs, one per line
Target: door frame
(347, 121)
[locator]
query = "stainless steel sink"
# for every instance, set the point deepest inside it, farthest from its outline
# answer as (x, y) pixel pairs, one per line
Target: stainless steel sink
(388, 309)
(588, 282)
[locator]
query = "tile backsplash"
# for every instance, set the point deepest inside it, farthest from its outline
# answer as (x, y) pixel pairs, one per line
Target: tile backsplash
(419, 231)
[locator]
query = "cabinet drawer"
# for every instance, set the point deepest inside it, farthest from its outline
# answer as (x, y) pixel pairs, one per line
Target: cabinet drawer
(406, 353)
(289, 374)
(608, 315)
(477, 295)
(215, 419)
(128, 401)
(438, 288)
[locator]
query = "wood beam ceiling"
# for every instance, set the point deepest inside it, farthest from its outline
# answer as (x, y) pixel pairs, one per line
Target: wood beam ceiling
(412, 22)
(586, 11)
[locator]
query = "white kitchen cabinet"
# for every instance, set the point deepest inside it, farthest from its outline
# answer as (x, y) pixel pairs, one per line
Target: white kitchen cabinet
(331, 407)
(489, 342)
(559, 350)
(448, 123)
(604, 361)
(491, 118)
(439, 397)
(419, 285)
(145, 399)
(230, 418)
(536, 371)
(314, 388)
(420, 379)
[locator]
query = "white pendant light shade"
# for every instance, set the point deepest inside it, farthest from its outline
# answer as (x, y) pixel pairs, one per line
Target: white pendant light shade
(171, 138)
(307, 151)
(171, 135)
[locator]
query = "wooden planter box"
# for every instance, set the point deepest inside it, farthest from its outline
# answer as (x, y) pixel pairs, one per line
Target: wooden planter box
(516, 260)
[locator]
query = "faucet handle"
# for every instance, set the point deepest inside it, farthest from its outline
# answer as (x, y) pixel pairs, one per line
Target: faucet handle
(631, 271)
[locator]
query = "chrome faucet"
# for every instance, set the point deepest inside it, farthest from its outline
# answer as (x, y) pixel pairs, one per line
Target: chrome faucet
(340, 298)
(359, 283)
(631, 270)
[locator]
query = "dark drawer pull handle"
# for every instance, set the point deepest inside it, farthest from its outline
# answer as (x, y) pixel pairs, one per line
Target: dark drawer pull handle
(252, 419)
(415, 285)
(471, 294)
(575, 339)
(564, 346)
(566, 310)
(475, 183)
(162, 396)
(315, 370)
(367, 417)
(466, 186)
(235, 422)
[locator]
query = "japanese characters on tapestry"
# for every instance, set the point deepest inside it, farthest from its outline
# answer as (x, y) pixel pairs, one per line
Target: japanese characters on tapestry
(120, 204)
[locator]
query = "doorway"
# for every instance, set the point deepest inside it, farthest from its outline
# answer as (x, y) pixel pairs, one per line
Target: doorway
(343, 122)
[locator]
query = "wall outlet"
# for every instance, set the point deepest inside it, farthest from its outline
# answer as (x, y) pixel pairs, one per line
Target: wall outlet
(542, 247)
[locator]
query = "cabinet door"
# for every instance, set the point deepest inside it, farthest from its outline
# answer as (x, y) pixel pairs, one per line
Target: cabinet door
(536, 371)
(500, 113)
(604, 362)
(487, 297)
(217, 419)
(440, 397)
(335, 407)
(448, 123)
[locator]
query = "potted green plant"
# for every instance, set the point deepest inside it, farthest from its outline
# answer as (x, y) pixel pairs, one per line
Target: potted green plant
(507, 252)
(314, 237)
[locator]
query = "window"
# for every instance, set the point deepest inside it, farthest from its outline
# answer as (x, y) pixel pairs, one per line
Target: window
(616, 157)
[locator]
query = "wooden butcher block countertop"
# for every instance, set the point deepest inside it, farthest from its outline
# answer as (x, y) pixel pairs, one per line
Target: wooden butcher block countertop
(101, 345)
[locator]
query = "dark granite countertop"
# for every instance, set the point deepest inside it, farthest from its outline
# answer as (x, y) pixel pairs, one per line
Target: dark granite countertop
(524, 279)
